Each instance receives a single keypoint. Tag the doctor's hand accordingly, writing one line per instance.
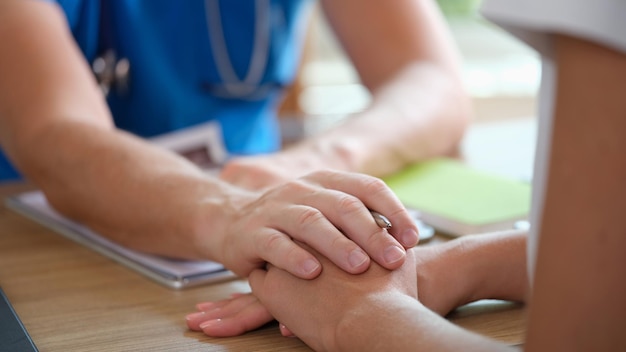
(259, 172)
(263, 171)
(327, 210)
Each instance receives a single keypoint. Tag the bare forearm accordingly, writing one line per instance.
(410, 65)
(131, 191)
(467, 269)
(396, 322)
(420, 113)
(502, 260)
(56, 128)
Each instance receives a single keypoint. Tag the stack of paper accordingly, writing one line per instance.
(169, 272)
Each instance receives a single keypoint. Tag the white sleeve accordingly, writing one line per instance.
(532, 21)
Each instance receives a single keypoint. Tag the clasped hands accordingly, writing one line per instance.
(311, 230)
(327, 210)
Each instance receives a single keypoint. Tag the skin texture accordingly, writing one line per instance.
(577, 298)
(447, 275)
(343, 303)
(580, 295)
(150, 199)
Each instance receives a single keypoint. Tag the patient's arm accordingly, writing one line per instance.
(448, 275)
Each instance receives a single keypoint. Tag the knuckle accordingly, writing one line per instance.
(295, 187)
(272, 242)
(348, 204)
(309, 217)
(340, 243)
(397, 212)
(322, 174)
(373, 185)
(375, 237)
(294, 254)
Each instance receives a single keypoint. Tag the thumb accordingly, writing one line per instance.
(256, 279)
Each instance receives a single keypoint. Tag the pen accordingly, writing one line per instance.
(381, 220)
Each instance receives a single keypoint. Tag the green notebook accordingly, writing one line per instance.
(459, 200)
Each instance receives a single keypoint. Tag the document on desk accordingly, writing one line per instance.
(459, 200)
(172, 273)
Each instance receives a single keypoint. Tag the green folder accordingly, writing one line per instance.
(458, 200)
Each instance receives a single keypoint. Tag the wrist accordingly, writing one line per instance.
(493, 266)
(468, 272)
(326, 152)
(383, 321)
(211, 215)
(444, 278)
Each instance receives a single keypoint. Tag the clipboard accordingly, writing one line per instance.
(13, 334)
(172, 273)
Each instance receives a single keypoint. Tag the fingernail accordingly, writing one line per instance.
(309, 267)
(194, 316)
(210, 323)
(357, 257)
(393, 254)
(285, 332)
(205, 306)
(409, 238)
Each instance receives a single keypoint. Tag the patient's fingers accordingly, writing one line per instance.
(229, 317)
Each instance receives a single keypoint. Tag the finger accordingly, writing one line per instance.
(256, 280)
(230, 317)
(260, 287)
(250, 318)
(218, 309)
(206, 306)
(309, 225)
(357, 223)
(214, 310)
(375, 194)
(285, 331)
(277, 248)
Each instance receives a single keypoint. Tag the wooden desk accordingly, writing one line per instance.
(73, 299)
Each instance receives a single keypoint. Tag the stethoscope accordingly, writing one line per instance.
(113, 74)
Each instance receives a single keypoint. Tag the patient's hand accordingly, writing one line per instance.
(447, 277)
(244, 312)
(229, 317)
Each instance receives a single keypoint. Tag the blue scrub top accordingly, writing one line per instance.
(174, 76)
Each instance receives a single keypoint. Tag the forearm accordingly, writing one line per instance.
(419, 108)
(409, 63)
(56, 128)
(132, 192)
(396, 322)
(498, 261)
(419, 113)
(467, 269)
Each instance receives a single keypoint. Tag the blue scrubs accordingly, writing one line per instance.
(174, 75)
